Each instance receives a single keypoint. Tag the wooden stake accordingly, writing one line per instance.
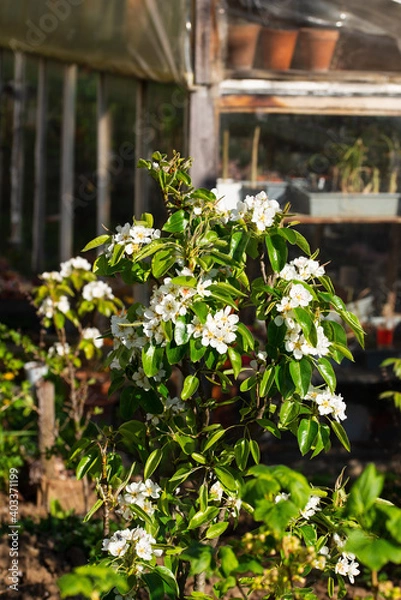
(67, 164)
(255, 153)
(17, 150)
(103, 157)
(39, 206)
(226, 144)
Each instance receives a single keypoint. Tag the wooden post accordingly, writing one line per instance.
(226, 153)
(103, 157)
(203, 126)
(203, 137)
(17, 151)
(39, 201)
(67, 164)
(46, 425)
(140, 204)
(255, 155)
(140, 189)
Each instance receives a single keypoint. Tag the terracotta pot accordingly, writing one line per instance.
(277, 48)
(315, 49)
(242, 40)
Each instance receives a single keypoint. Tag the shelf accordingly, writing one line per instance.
(310, 97)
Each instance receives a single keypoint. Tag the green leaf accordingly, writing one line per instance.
(238, 243)
(227, 479)
(152, 357)
(187, 444)
(199, 557)
(216, 530)
(327, 372)
(202, 517)
(228, 560)
(152, 462)
(289, 412)
(87, 462)
(175, 353)
(181, 335)
(162, 261)
(255, 451)
(213, 439)
(96, 242)
(305, 320)
(341, 434)
(241, 453)
(190, 386)
(301, 374)
(371, 551)
(266, 381)
(277, 251)
(248, 383)
(307, 432)
(236, 361)
(197, 350)
(199, 458)
(168, 577)
(177, 223)
(294, 238)
(248, 341)
(155, 585)
(129, 402)
(98, 504)
(365, 491)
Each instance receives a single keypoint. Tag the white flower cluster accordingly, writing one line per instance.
(232, 503)
(311, 508)
(97, 290)
(302, 269)
(347, 566)
(76, 263)
(59, 348)
(257, 209)
(219, 329)
(66, 269)
(51, 276)
(328, 403)
(133, 237)
(296, 343)
(169, 302)
(93, 334)
(172, 407)
(299, 296)
(138, 539)
(48, 306)
(139, 493)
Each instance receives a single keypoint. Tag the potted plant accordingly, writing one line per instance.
(359, 185)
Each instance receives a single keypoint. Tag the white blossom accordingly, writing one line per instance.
(312, 506)
(93, 334)
(67, 267)
(97, 290)
(281, 497)
(51, 276)
(347, 567)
